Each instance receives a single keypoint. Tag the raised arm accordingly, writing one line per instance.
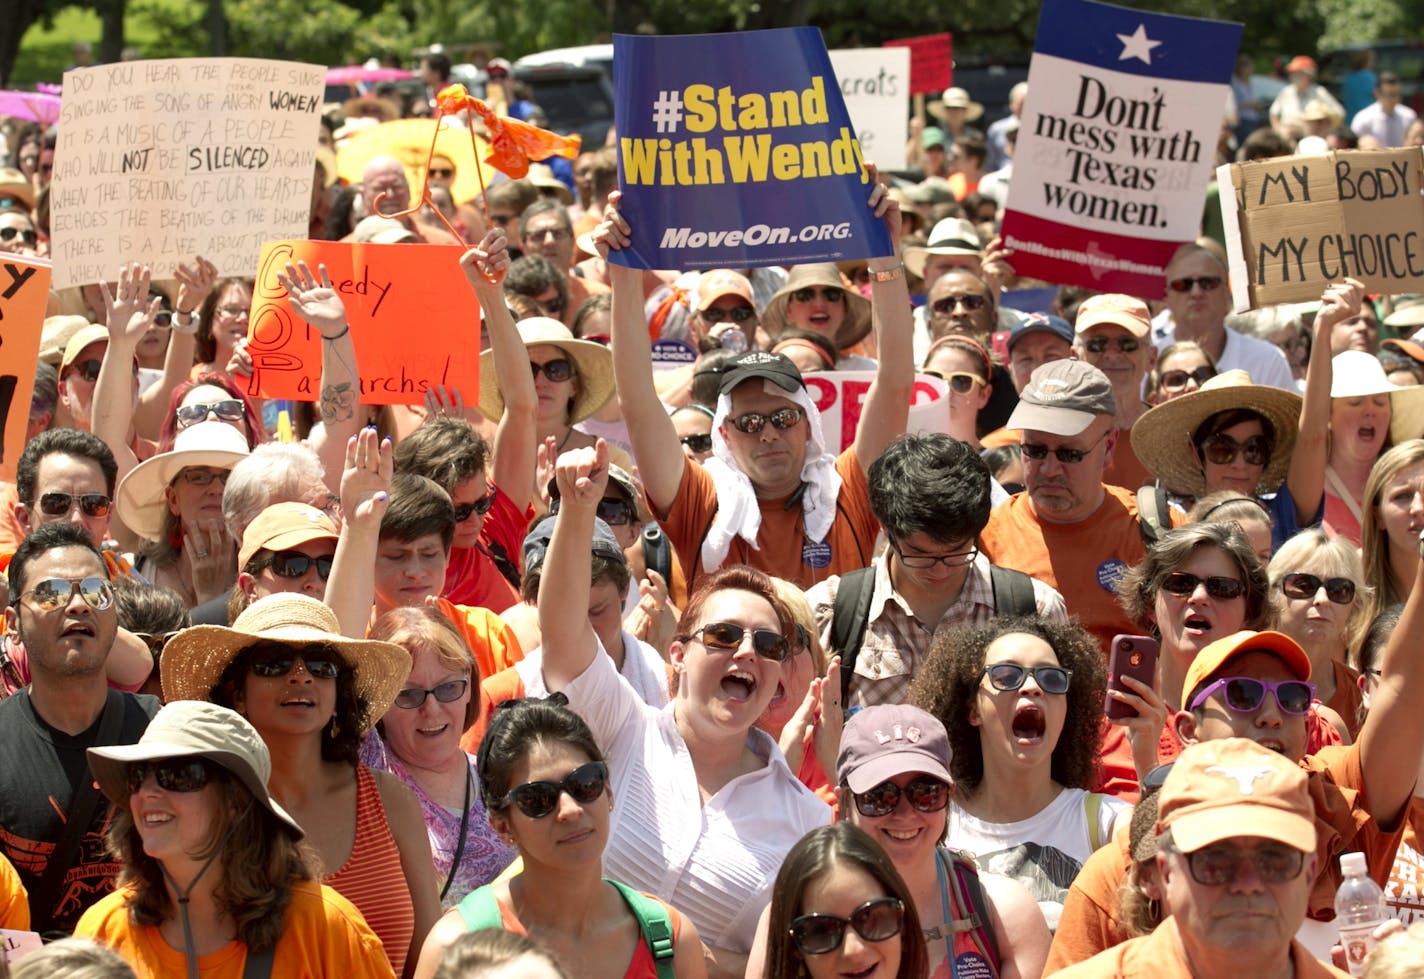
(1306, 476)
(569, 641)
(320, 306)
(365, 492)
(887, 403)
(129, 312)
(195, 281)
(655, 446)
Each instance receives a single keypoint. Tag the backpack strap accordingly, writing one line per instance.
(478, 909)
(1013, 592)
(1153, 516)
(258, 965)
(1093, 807)
(969, 893)
(655, 926)
(496, 553)
(849, 618)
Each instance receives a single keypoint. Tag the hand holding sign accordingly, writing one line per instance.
(613, 232)
(886, 208)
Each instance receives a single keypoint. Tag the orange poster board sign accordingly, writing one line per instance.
(414, 321)
(24, 293)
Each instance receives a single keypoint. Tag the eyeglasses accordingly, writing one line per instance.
(172, 774)
(536, 800)
(442, 173)
(481, 506)
(277, 661)
(204, 477)
(972, 302)
(234, 312)
(1207, 283)
(828, 294)
(558, 234)
(1173, 380)
(446, 693)
(926, 794)
(1298, 584)
(90, 504)
(737, 314)
(781, 419)
(1126, 345)
(295, 564)
(557, 370)
(29, 237)
(1065, 455)
(875, 921)
(697, 443)
(229, 410)
(1218, 865)
(1222, 450)
(960, 382)
(155, 641)
(163, 318)
(1245, 695)
(728, 636)
(503, 219)
(1007, 677)
(958, 559)
(87, 369)
(53, 593)
(1217, 586)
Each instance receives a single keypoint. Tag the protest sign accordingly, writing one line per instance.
(1116, 145)
(24, 293)
(840, 396)
(158, 161)
(15, 945)
(736, 150)
(411, 326)
(1298, 223)
(931, 62)
(874, 83)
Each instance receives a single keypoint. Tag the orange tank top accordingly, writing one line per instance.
(373, 878)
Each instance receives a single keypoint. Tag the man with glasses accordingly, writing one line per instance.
(385, 175)
(1387, 119)
(545, 229)
(1111, 333)
(1198, 299)
(52, 822)
(960, 302)
(931, 496)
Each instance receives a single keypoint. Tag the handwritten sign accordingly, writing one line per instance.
(931, 62)
(875, 83)
(1297, 223)
(414, 322)
(161, 160)
(24, 292)
(1117, 145)
(840, 396)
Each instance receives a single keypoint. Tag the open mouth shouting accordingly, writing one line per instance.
(1030, 723)
(739, 685)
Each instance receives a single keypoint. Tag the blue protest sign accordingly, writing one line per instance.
(736, 150)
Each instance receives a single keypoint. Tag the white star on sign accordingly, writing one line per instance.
(1136, 45)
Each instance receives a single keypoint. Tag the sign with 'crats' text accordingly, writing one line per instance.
(736, 150)
(1117, 143)
(874, 83)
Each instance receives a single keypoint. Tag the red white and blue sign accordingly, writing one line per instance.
(1117, 143)
(736, 150)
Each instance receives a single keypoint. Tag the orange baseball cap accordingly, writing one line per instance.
(722, 282)
(284, 525)
(1127, 312)
(1216, 655)
(1230, 788)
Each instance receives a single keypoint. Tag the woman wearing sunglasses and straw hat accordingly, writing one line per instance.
(313, 694)
(214, 877)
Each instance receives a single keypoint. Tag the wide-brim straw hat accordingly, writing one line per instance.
(194, 729)
(141, 503)
(194, 660)
(593, 361)
(1357, 374)
(854, 328)
(1162, 438)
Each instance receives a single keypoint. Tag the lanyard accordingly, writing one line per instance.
(464, 826)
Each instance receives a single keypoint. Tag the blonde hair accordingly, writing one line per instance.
(1340, 560)
(1374, 542)
(1400, 956)
(795, 601)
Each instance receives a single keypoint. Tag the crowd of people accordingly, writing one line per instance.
(626, 665)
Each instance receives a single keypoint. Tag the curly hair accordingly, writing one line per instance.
(947, 685)
(1137, 590)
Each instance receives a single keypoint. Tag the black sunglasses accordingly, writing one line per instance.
(1222, 450)
(615, 512)
(972, 302)
(1065, 455)
(446, 693)
(875, 921)
(536, 800)
(697, 443)
(1207, 283)
(53, 593)
(926, 794)
(1172, 380)
(728, 636)
(1298, 584)
(1007, 677)
(172, 774)
(29, 237)
(87, 369)
(828, 294)
(555, 370)
(1245, 695)
(1126, 345)
(155, 641)
(737, 314)
(229, 410)
(480, 506)
(781, 419)
(91, 504)
(1217, 586)
(295, 564)
(278, 661)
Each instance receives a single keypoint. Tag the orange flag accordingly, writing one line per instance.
(512, 143)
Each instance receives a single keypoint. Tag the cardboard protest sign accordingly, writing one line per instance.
(840, 395)
(158, 161)
(736, 150)
(24, 293)
(931, 62)
(874, 83)
(1297, 223)
(414, 322)
(1116, 144)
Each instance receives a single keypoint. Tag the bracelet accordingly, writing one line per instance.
(332, 339)
(888, 275)
(184, 322)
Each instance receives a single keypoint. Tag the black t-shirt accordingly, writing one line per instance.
(40, 770)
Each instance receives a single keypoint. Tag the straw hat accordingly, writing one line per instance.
(194, 660)
(951, 236)
(14, 184)
(141, 502)
(956, 98)
(854, 327)
(541, 175)
(1162, 438)
(194, 729)
(593, 361)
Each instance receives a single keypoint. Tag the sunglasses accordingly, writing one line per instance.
(1245, 695)
(875, 921)
(921, 561)
(90, 504)
(204, 477)
(1065, 455)
(551, 307)
(614, 512)
(481, 506)
(728, 636)
(828, 294)
(172, 774)
(555, 370)
(960, 382)
(163, 318)
(1126, 345)
(536, 800)
(53, 593)
(1298, 584)
(87, 369)
(278, 662)
(697, 443)
(737, 314)
(155, 641)
(1173, 380)
(754, 421)
(228, 410)
(926, 794)
(1207, 283)
(1216, 866)
(971, 302)
(1222, 450)
(442, 173)
(295, 564)
(1007, 677)
(9, 234)
(1217, 586)
(446, 693)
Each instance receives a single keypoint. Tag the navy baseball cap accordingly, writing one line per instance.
(1041, 323)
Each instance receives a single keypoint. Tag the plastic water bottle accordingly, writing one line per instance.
(1359, 909)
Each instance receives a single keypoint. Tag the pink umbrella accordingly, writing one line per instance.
(353, 74)
(30, 106)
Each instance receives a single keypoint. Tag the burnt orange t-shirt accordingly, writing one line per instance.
(1404, 891)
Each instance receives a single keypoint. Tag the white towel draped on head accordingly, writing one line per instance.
(737, 512)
